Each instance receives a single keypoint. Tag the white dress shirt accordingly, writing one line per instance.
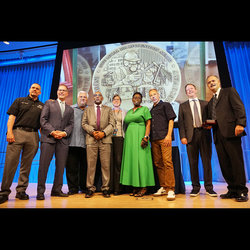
(191, 103)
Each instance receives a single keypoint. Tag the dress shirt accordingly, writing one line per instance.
(62, 105)
(217, 93)
(77, 137)
(191, 103)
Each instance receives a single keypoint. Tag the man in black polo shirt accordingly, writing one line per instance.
(161, 136)
(22, 136)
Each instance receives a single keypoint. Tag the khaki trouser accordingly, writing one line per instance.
(162, 157)
(92, 154)
(27, 142)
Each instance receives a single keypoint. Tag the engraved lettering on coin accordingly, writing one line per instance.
(137, 67)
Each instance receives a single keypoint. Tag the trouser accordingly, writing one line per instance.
(162, 157)
(76, 169)
(116, 161)
(104, 150)
(231, 161)
(47, 152)
(27, 144)
(200, 144)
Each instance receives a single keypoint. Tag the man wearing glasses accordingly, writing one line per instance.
(57, 121)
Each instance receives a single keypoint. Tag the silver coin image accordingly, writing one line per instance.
(137, 67)
(83, 74)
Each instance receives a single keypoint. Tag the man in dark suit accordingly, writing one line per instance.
(227, 109)
(57, 121)
(197, 139)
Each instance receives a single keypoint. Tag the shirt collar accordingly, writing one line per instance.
(29, 98)
(192, 99)
(217, 92)
(63, 102)
(157, 103)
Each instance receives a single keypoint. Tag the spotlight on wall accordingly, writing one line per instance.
(6, 42)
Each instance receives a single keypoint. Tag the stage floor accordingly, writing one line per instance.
(124, 200)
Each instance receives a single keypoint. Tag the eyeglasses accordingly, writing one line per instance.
(63, 90)
(97, 95)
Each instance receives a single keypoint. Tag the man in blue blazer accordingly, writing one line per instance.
(57, 121)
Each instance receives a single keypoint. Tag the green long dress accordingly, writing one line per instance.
(137, 166)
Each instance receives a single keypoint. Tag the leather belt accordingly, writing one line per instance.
(26, 129)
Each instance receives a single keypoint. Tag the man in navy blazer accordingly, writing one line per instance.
(57, 121)
(227, 109)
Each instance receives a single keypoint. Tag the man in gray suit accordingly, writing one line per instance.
(98, 121)
(196, 138)
(57, 121)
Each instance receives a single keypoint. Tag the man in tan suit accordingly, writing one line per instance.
(98, 121)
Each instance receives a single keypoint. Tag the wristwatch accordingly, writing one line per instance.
(146, 137)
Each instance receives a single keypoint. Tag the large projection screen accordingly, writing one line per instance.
(124, 68)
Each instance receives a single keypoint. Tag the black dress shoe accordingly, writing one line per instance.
(40, 197)
(59, 194)
(89, 194)
(228, 195)
(242, 198)
(72, 192)
(3, 198)
(106, 193)
(22, 196)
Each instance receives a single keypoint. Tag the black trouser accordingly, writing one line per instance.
(200, 143)
(76, 169)
(231, 161)
(115, 166)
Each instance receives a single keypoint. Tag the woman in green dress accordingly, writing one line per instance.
(137, 166)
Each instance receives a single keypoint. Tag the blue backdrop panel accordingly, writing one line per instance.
(238, 59)
(15, 82)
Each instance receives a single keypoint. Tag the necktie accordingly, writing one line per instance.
(213, 107)
(98, 117)
(62, 106)
(197, 120)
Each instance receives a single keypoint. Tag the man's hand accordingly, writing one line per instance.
(98, 135)
(10, 137)
(168, 141)
(238, 130)
(58, 134)
(184, 141)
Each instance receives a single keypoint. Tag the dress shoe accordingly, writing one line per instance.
(40, 197)
(72, 192)
(59, 194)
(228, 195)
(22, 196)
(89, 194)
(106, 193)
(242, 198)
(3, 198)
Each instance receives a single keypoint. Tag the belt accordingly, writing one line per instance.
(26, 129)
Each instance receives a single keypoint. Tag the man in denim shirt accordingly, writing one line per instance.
(76, 166)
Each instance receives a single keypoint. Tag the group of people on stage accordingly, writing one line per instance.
(131, 141)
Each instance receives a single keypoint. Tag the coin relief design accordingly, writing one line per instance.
(137, 67)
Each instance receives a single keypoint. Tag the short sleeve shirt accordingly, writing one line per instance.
(162, 113)
(27, 112)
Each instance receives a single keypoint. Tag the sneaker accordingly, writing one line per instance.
(161, 191)
(194, 193)
(211, 193)
(171, 195)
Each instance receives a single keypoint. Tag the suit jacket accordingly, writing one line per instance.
(107, 124)
(230, 112)
(185, 120)
(51, 119)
